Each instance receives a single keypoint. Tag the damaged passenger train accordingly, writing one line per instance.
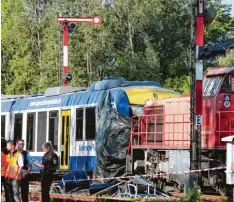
(69, 117)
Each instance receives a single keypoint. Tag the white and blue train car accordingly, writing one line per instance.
(69, 120)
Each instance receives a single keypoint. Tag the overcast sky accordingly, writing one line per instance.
(230, 2)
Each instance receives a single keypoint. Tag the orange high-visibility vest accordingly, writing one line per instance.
(12, 168)
(4, 164)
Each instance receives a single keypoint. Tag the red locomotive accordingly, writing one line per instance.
(160, 140)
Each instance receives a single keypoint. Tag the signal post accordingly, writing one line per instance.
(200, 16)
(69, 24)
(197, 41)
(200, 24)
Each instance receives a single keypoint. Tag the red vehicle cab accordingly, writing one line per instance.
(218, 107)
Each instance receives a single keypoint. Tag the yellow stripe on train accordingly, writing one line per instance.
(139, 94)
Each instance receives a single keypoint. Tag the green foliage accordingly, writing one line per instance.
(228, 60)
(194, 195)
(139, 40)
(222, 25)
(180, 84)
(223, 199)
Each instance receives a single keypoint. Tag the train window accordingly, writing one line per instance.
(79, 124)
(228, 85)
(41, 131)
(18, 126)
(3, 121)
(211, 86)
(90, 124)
(53, 129)
(31, 123)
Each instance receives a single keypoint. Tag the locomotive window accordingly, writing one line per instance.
(3, 121)
(205, 85)
(79, 124)
(212, 85)
(31, 123)
(228, 85)
(53, 129)
(41, 131)
(18, 126)
(90, 124)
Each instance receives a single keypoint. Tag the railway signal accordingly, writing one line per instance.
(200, 17)
(69, 25)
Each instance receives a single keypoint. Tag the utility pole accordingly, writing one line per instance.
(69, 24)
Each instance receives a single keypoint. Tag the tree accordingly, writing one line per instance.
(228, 60)
(16, 63)
(219, 30)
(138, 40)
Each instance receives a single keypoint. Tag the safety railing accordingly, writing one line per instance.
(161, 130)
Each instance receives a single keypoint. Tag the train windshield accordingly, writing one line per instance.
(228, 85)
(212, 85)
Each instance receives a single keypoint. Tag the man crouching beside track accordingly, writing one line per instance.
(13, 172)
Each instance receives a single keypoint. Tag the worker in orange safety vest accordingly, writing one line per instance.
(13, 172)
(4, 164)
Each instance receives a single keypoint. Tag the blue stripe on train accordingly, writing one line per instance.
(76, 163)
(82, 162)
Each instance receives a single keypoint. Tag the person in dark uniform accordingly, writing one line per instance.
(48, 168)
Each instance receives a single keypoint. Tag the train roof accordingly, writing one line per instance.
(8, 97)
(218, 71)
(70, 99)
(120, 82)
(73, 96)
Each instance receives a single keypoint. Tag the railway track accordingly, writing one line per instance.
(37, 197)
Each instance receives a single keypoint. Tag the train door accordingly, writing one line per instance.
(65, 139)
